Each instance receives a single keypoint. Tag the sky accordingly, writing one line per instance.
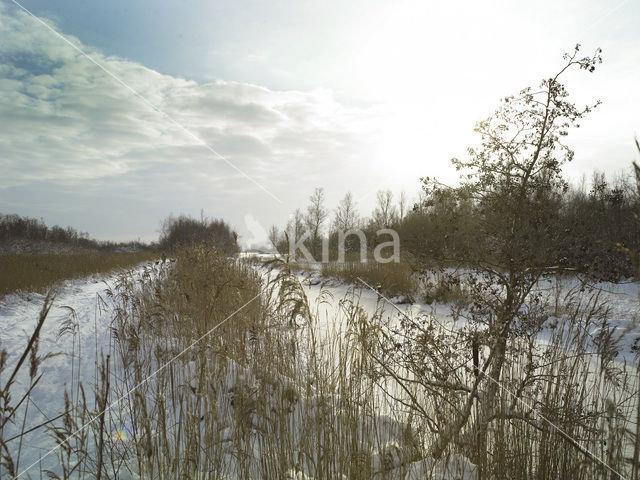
(114, 115)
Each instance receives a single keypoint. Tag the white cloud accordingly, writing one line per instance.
(68, 125)
(77, 147)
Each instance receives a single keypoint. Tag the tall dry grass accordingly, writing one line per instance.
(281, 390)
(41, 271)
(392, 279)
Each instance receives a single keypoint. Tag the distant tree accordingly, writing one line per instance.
(385, 212)
(636, 168)
(296, 225)
(346, 219)
(276, 239)
(346, 214)
(402, 206)
(16, 227)
(441, 230)
(315, 218)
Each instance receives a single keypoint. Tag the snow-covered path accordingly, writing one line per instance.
(84, 303)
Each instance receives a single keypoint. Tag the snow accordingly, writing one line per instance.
(83, 302)
(622, 299)
(86, 305)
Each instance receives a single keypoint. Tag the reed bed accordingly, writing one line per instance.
(217, 371)
(39, 272)
(392, 279)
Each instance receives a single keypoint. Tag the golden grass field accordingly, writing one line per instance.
(39, 272)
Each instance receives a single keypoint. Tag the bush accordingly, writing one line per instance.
(184, 231)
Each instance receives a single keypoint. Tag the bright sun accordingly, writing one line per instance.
(422, 61)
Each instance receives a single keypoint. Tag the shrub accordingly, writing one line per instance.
(184, 231)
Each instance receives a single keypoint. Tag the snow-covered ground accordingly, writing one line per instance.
(622, 299)
(76, 332)
(82, 305)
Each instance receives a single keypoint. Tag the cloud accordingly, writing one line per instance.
(68, 126)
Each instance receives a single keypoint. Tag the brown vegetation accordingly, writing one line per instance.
(39, 272)
(391, 279)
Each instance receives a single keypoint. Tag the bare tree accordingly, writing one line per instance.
(513, 185)
(315, 218)
(385, 212)
(402, 206)
(515, 180)
(346, 214)
(275, 237)
(636, 168)
(296, 225)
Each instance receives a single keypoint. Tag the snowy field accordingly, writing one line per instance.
(77, 330)
(623, 300)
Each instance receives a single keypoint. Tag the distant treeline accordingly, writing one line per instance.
(15, 227)
(590, 230)
(175, 232)
(185, 231)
